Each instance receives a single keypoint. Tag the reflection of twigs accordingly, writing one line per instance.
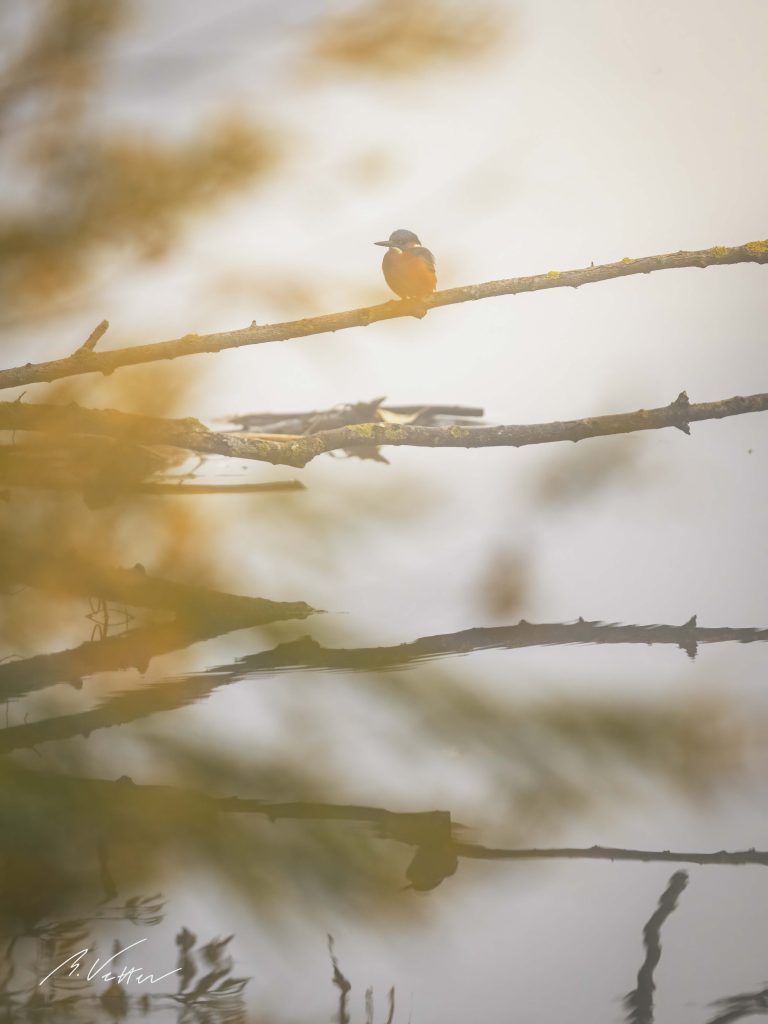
(420, 829)
(217, 997)
(193, 344)
(746, 1004)
(137, 648)
(102, 619)
(306, 653)
(612, 853)
(341, 983)
(133, 650)
(298, 451)
(639, 1002)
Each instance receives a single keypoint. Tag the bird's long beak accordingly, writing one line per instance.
(391, 244)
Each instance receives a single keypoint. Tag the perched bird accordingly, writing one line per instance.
(409, 268)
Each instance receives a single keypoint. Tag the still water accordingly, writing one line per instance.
(471, 805)
(455, 736)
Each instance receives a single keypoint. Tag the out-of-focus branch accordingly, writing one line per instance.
(432, 833)
(22, 478)
(298, 451)
(196, 344)
(104, 470)
(72, 574)
(347, 414)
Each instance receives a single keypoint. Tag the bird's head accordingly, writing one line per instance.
(401, 239)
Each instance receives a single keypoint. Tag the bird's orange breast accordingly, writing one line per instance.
(408, 274)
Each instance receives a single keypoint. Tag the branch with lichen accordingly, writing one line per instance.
(298, 451)
(196, 344)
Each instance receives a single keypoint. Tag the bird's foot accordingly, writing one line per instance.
(417, 307)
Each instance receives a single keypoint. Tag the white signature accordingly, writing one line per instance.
(126, 974)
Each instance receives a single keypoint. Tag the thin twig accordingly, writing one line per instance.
(195, 344)
(733, 858)
(193, 435)
(93, 338)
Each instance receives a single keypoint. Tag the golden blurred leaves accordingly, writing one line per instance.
(86, 185)
(404, 36)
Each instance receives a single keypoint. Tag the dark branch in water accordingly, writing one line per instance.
(614, 853)
(195, 344)
(298, 451)
(137, 648)
(432, 833)
(639, 1002)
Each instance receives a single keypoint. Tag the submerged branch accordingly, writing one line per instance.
(195, 344)
(613, 853)
(135, 649)
(432, 833)
(69, 573)
(298, 451)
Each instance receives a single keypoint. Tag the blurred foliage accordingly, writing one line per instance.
(383, 37)
(505, 583)
(569, 478)
(86, 190)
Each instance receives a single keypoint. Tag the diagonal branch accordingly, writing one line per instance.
(195, 344)
(298, 451)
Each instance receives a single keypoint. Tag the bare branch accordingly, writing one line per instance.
(193, 435)
(195, 344)
(94, 338)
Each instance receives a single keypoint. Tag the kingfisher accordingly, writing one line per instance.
(409, 268)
